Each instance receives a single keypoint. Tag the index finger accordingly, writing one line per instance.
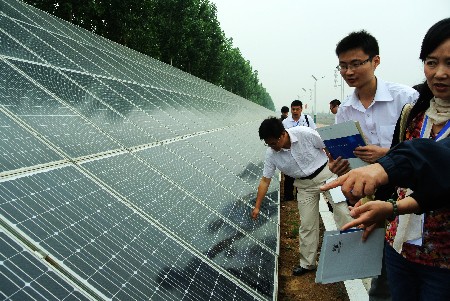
(335, 183)
(361, 148)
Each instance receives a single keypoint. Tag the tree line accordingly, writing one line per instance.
(183, 33)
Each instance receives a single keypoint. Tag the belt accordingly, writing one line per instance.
(314, 174)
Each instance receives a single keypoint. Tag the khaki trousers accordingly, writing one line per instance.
(308, 196)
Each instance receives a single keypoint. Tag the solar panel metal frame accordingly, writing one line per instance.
(224, 133)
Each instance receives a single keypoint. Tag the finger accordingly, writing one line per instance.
(369, 188)
(330, 158)
(342, 170)
(352, 199)
(362, 156)
(360, 148)
(358, 204)
(359, 153)
(347, 185)
(358, 189)
(349, 225)
(333, 184)
(367, 231)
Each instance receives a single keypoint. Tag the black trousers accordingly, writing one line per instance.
(288, 188)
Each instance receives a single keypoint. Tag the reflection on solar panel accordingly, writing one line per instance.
(122, 178)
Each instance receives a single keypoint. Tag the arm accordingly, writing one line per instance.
(359, 182)
(372, 213)
(424, 166)
(420, 164)
(262, 190)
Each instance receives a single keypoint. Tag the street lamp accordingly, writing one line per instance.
(341, 85)
(315, 96)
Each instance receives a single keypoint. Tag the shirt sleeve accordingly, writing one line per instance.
(339, 118)
(269, 166)
(311, 123)
(315, 138)
(424, 166)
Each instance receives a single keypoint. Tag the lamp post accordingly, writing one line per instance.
(315, 96)
(341, 85)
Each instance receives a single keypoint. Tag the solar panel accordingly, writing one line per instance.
(123, 178)
(23, 276)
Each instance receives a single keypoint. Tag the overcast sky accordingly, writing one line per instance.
(287, 41)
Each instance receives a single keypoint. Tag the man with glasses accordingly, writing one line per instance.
(375, 104)
(299, 153)
(334, 106)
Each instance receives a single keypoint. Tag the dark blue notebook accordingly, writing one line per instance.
(341, 140)
(344, 146)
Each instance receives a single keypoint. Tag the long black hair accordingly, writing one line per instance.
(435, 36)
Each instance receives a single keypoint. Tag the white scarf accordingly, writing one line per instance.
(439, 111)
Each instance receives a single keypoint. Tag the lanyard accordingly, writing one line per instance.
(441, 132)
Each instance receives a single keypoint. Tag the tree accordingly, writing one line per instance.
(183, 33)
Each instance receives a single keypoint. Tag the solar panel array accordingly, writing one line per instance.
(123, 178)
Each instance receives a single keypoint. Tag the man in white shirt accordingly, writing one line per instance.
(297, 118)
(334, 106)
(299, 153)
(376, 105)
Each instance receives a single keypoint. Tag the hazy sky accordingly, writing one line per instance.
(287, 41)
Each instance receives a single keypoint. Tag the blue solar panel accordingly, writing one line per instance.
(135, 179)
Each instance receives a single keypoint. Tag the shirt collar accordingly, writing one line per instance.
(381, 94)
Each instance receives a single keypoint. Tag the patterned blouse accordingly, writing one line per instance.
(435, 249)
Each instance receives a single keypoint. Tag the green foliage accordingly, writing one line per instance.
(183, 33)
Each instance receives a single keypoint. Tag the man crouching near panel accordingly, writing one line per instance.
(299, 153)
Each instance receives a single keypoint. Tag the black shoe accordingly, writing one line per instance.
(298, 271)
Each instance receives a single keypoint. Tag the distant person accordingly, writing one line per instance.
(334, 106)
(297, 118)
(376, 105)
(284, 113)
(299, 153)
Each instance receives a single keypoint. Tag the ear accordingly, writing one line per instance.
(376, 61)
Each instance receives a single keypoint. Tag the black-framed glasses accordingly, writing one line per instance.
(272, 144)
(353, 65)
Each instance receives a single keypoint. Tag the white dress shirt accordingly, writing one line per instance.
(304, 157)
(378, 120)
(289, 122)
